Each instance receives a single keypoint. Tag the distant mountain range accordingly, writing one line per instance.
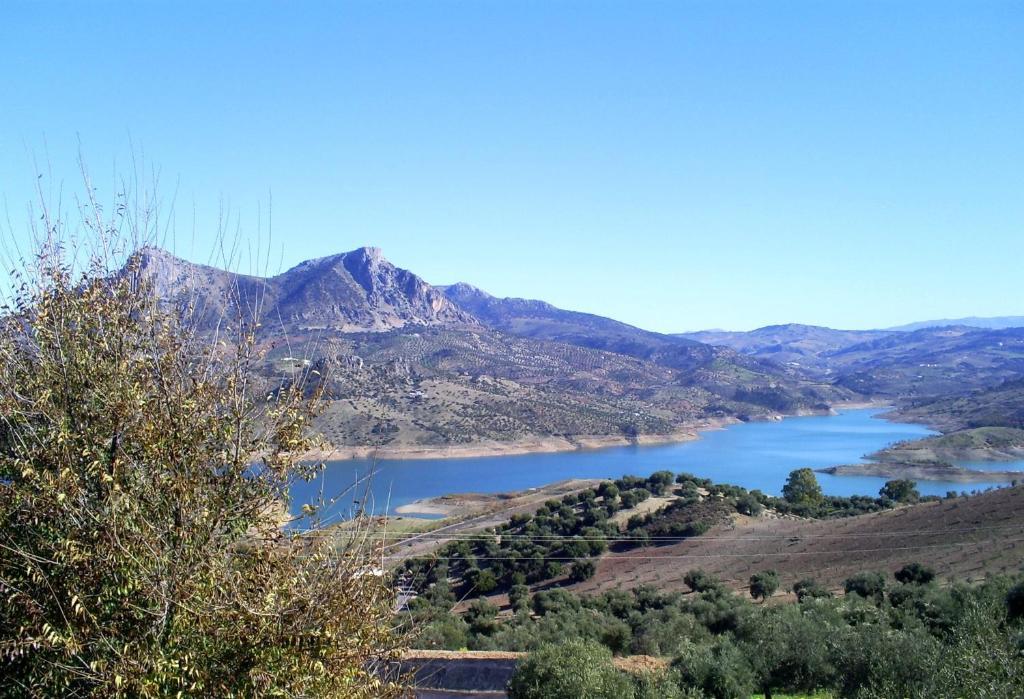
(929, 361)
(412, 365)
(993, 323)
(793, 343)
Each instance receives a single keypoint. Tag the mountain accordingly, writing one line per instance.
(993, 323)
(930, 362)
(792, 343)
(407, 364)
(350, 292)
(541, 321)
(410, 365)
(999, 406)
(889, 364)
(720, 370)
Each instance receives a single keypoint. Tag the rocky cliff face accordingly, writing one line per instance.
(357, 291)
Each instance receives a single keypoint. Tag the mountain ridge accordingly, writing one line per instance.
(986, 322)
(352, 291)
(409, 363)
(406, 363)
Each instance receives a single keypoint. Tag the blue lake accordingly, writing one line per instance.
(752, 455)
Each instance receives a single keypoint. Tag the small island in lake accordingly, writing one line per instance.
(933, 458)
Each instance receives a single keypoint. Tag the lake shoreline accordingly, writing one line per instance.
(538, 445)
(461, 505)
(755, 454)
(553, 444)
(923, 472)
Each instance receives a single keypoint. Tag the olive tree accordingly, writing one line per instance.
(572, 670)
(915, 574)
(764, 584)
(869, 584)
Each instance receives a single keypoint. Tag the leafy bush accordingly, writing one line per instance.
(808, 589)
(717, 670)
(571, 670)
(1015, 601)
(869, 585)
(764, 584)
(700, 581)
(582, 570)
(519, 598)
(915, 574)
(748, 504)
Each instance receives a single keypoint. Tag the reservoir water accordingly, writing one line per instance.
(752, 455)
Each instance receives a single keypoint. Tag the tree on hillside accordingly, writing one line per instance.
(748, 504)
(481, 617)
(700, 581)
(716, 669)
(519, 598)
(809, 589)
(582, 570)
(571, 670)
(788, 648)
(868, 584)
(657, 685)
(608, 490)
(914, 574)
(802, 488)
(900, 490)
(764, 584)
(1015, 602)
(144, 475)
(660, 482)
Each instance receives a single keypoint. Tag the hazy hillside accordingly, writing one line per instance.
(1001, 406)
(931, 362)
(994, 323)
(832, 549)
(888, 364)
(792, 343)
(541, 320)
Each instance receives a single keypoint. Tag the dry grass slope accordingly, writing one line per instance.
(963, 538)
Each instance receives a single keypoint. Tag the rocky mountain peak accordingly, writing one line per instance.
(355, 291)
(461, 292)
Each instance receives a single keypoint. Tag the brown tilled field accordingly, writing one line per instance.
(963, 538)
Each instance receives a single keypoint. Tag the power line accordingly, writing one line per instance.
(488, 537)
(720, 555)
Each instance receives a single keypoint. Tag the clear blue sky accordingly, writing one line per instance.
(676, 165)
